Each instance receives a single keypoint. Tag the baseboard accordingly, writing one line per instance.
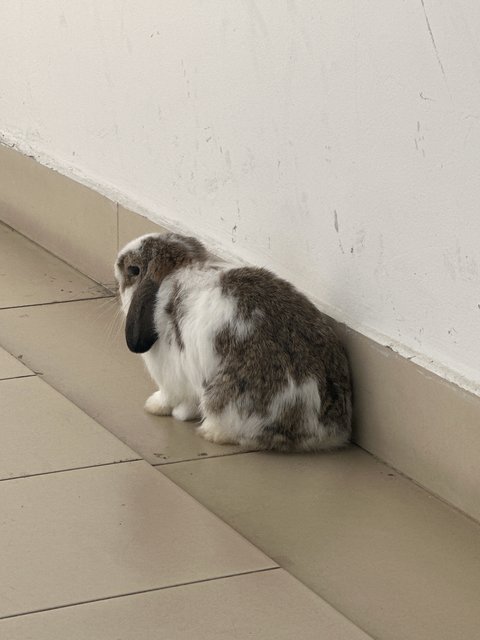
(424, 426)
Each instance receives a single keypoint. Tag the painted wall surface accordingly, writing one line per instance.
(335, 141)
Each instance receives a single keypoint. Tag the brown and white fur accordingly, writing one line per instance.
(236, 347)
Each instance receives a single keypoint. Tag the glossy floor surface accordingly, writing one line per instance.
(117, 524)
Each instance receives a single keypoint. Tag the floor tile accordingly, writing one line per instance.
(10, 367)
(93, 533)
(42, 432)
(131, 225)
(270, 605)
(395, 560)
(30, 275)
(71, 220)
(80, 349)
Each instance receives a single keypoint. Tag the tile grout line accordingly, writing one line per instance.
(91, 415)
(44, 304)
(142, 591)
(89, 466)
(27, 375)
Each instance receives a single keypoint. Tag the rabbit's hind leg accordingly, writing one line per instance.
(212, 430)
(186, 410)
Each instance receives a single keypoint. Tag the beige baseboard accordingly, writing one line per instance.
(424, 426)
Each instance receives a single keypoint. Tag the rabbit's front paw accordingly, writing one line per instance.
(158, 404)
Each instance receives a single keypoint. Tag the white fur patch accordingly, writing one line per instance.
(205, 310)
(247, 429)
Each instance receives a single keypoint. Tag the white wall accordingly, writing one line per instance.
(335, 141)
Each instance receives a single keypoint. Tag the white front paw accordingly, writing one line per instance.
(158, 404)
(186, 411)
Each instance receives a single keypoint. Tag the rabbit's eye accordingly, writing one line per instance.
(133, 270)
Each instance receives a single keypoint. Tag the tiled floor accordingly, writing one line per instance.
(96, 543)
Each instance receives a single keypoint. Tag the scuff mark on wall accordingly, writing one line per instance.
(460, 264)
(423, 97)
(419, 140)
(452, 332)
(433, 42)
(335, 224)
(359, 244)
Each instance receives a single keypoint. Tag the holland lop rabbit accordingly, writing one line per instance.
(236, 347)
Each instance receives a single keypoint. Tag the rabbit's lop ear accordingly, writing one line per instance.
(140, 331)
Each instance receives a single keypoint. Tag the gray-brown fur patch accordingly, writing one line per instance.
(291, 338)
(174, 308)
(285, 432)
(159, 255)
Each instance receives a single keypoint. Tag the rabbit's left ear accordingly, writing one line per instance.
(140, 331)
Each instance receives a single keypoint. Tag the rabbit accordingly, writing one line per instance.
(236, 347)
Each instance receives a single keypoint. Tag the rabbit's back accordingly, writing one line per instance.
(282, 366)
